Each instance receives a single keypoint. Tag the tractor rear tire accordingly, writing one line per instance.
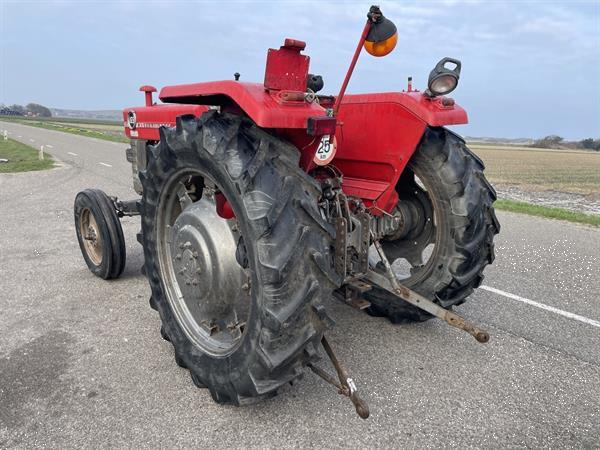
(285, 252)
(462, 201)
(99, 233)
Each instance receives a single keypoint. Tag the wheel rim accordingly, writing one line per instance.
(207, 289)
(413, 256)
(92, 239)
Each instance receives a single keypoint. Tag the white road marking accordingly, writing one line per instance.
(49, 146)
(31, 140)
(560, 312)
(72, 154)
(19, 136)
(104, 164)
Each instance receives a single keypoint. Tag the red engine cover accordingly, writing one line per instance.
(143, 122)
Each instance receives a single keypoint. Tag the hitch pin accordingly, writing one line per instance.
(345, 384)
(393, 286)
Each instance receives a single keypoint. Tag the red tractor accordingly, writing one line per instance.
(259, 201)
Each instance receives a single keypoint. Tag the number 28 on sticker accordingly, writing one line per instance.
(325, 151)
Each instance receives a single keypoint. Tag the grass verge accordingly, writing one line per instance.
(544, 211)
(21, 157)
(87, 129)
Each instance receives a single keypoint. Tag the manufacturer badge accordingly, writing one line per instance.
(131, 120)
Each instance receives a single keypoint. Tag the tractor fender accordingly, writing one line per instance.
(379, 134)
(267, 108)
(435, 112)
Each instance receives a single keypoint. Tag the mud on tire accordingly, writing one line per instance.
(287, 244)
(467, 224)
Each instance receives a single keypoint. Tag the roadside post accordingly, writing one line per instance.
(6, 135)
(41, 153)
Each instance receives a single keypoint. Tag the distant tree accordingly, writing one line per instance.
(589, 144)
(39, 110)
(18, 108)
(551, 141)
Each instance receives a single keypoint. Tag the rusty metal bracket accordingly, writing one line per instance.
(351, 294)
(125, 207)
(345, 385)
(341, 232)
(390, 283)
(365, 237)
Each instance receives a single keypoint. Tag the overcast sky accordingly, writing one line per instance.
(530, 68)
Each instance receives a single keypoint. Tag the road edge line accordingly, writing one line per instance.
(558, 311)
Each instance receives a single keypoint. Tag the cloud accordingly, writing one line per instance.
(514, 53)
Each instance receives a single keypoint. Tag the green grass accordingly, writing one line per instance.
(21, 157)
(109, 131)
(65, 120)
(544, 211)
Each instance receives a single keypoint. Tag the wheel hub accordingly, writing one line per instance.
(91, 236)
(204, 248)
(205, 279)
(409, 247)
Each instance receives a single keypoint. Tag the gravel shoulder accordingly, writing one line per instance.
(589, 204)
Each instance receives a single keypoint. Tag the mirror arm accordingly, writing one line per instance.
(361, 42)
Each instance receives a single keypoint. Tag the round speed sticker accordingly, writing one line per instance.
(326, 150)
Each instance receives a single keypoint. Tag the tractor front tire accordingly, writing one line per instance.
(465, 226)
(99, 233)
(284, 249)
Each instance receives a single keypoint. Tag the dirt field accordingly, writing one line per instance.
(561, 178)
(570, 171)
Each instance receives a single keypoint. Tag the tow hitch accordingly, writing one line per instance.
(390, 283)
(345, 385)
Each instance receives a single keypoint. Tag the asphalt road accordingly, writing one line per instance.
(82, 363)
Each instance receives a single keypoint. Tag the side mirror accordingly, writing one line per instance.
(379, 37)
